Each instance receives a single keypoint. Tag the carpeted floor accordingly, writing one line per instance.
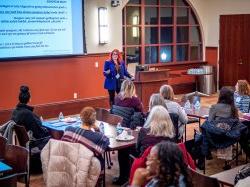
(212, 166)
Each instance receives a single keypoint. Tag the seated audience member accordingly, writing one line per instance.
(87, 135)
(225, 107)
(157, 128)
(165, 167)
(222, 129)
(242, 96)
(23, 115)
(127, 97)
(173, 107)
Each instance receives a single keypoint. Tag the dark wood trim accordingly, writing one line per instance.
(158, 25)
(211, 47)
(183, 88)
(52, 110)
(178, 64)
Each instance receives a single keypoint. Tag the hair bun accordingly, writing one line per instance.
(24, 89)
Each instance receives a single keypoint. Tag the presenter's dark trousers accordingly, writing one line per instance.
(112, 96)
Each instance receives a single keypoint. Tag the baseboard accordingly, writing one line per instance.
(52, 110)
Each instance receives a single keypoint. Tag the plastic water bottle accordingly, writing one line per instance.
(41, 118)
(187, 105)
(119, 128)
(60, 117)
(101, 127)
(197, 105)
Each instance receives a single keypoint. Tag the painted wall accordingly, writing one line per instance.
(209, 13)
(52, 80)
(91, 26)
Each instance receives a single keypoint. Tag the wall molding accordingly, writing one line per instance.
(52, 110)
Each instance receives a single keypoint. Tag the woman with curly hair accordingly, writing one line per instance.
(165, 167)
(242, 96)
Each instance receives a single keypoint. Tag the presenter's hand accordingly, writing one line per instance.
(108, 71)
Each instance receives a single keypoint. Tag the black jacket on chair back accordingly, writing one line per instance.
(23, 115)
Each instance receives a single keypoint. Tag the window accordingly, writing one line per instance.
(160, 31)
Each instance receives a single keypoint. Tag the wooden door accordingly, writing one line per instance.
(234, 49)
(244, 66)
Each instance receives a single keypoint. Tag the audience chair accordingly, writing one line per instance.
(199, 180)
(3, 142)
(124, 112)
(8, 181)
(105, 116)
(24, 141)
(17, 157)
(175, 120)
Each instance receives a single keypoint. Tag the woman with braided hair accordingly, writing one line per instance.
(165, 168)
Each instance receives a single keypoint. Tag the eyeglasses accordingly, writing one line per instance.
(114, 54)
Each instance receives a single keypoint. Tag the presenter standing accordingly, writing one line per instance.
(114, 71)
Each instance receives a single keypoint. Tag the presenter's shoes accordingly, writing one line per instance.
(119, 181)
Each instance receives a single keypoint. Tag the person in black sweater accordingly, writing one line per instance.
(23, 115)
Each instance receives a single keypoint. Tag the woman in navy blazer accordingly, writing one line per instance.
(114, 71)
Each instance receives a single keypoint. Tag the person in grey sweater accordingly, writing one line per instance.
(173, 107)
(225, 107)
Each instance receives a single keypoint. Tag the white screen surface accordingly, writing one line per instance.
(30, 28)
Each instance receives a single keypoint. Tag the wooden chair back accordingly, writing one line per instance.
(22, 135)
(17, 157)
(104, 115)
(3, 142)
(9, 181)
(199, 180)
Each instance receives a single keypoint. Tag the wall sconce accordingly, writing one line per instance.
(135, 30)
(103, 25)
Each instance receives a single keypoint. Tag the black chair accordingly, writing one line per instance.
(199, 180)
(34, 155)
(8, 181)
(17, 157)
(125, 112)
(175, 120)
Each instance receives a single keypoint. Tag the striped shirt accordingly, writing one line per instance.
(95, 141)
(242, 102)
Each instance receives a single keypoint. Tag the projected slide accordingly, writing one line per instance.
(40, 28)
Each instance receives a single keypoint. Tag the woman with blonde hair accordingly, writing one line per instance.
(157, 128)
(127, 97)
(173, 107)
(242, 96)
(156, 99)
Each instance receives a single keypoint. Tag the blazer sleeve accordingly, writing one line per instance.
(126, 73)
(106, 67)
